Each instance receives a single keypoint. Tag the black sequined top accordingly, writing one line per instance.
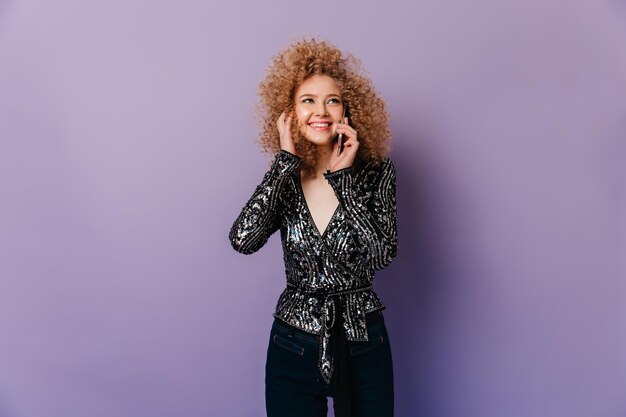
(336, 266)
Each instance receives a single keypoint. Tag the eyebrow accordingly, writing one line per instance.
(313, 95)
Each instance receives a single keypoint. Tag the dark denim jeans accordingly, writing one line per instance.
(294, 387)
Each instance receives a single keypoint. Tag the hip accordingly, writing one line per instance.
(306, 344)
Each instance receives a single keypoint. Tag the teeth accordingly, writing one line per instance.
(320, 124)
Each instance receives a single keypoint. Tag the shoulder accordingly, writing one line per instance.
(387, 165)
(374, 172)
(380, 166)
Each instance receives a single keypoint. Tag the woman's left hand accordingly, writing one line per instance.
(350, 146)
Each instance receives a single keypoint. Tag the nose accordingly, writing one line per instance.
(321, 109)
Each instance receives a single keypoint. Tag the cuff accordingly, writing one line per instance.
(341, 181)
(286, 162)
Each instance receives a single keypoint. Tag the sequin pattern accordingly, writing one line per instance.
(336, 266)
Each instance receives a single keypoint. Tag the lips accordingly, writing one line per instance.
(320, 126)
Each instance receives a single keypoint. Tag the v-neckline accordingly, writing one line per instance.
(310, 216)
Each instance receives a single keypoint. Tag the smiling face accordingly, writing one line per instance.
(319, 108)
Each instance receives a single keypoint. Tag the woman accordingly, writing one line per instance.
(331, 190)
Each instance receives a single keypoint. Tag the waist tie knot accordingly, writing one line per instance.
(334, 355)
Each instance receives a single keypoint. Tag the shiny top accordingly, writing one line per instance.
(332, 269)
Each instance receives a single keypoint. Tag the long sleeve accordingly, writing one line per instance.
(259, 218)
(371, 210)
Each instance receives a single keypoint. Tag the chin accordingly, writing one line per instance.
(323, 143)
(319, 141)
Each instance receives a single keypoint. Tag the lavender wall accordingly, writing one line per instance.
(126, 151)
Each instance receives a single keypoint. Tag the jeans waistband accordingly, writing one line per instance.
(370, 318)
(373, 316)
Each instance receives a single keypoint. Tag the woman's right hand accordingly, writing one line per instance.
(284, 130)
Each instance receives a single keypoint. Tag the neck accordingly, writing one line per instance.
(323, 161)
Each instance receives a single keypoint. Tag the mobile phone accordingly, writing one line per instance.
(340, 138)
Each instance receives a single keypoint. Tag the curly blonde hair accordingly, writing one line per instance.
(298, 62)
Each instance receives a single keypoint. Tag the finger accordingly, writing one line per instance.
(351, 142)
(348, 131)
(348, 140)
(347, 126)
(344, 125)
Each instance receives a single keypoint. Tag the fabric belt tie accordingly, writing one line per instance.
(333, 344)
(342, 376)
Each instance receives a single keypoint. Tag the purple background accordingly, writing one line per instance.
(127, 150)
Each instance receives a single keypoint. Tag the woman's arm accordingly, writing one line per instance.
(373, 216)
(259, 217)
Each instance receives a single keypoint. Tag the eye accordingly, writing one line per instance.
(306, 100)
(335, 100)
